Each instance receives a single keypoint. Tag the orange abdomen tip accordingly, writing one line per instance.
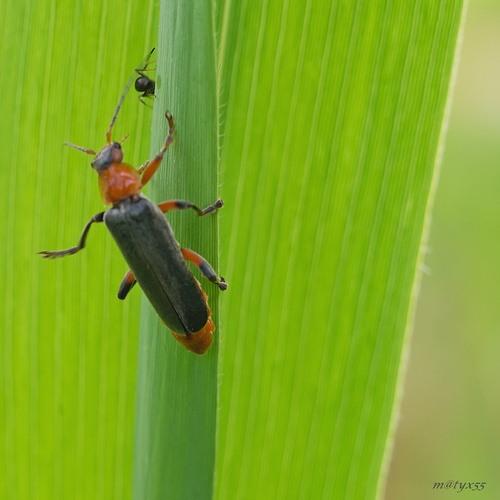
(197, 342)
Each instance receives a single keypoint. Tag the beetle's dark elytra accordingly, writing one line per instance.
(148, 245)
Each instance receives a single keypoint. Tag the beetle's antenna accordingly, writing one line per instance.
(80, 148)
(122, 97)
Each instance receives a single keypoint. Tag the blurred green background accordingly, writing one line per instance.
(448, 412)
(448, 427)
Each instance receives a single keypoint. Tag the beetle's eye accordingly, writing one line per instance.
(107, 156)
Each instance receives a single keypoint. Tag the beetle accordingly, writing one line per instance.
(147, 243)
(145, 84)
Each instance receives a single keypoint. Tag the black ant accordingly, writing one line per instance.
(144, 84)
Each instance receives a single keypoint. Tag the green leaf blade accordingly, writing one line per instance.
(177, 390)
(331, 188)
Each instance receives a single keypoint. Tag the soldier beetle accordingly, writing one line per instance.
(147, 243)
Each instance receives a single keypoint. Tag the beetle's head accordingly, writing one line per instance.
(112, 153)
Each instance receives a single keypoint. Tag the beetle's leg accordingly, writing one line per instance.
(152, 166)
(166, 206)
(205, 267)
(126, 285)
(70, 251)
